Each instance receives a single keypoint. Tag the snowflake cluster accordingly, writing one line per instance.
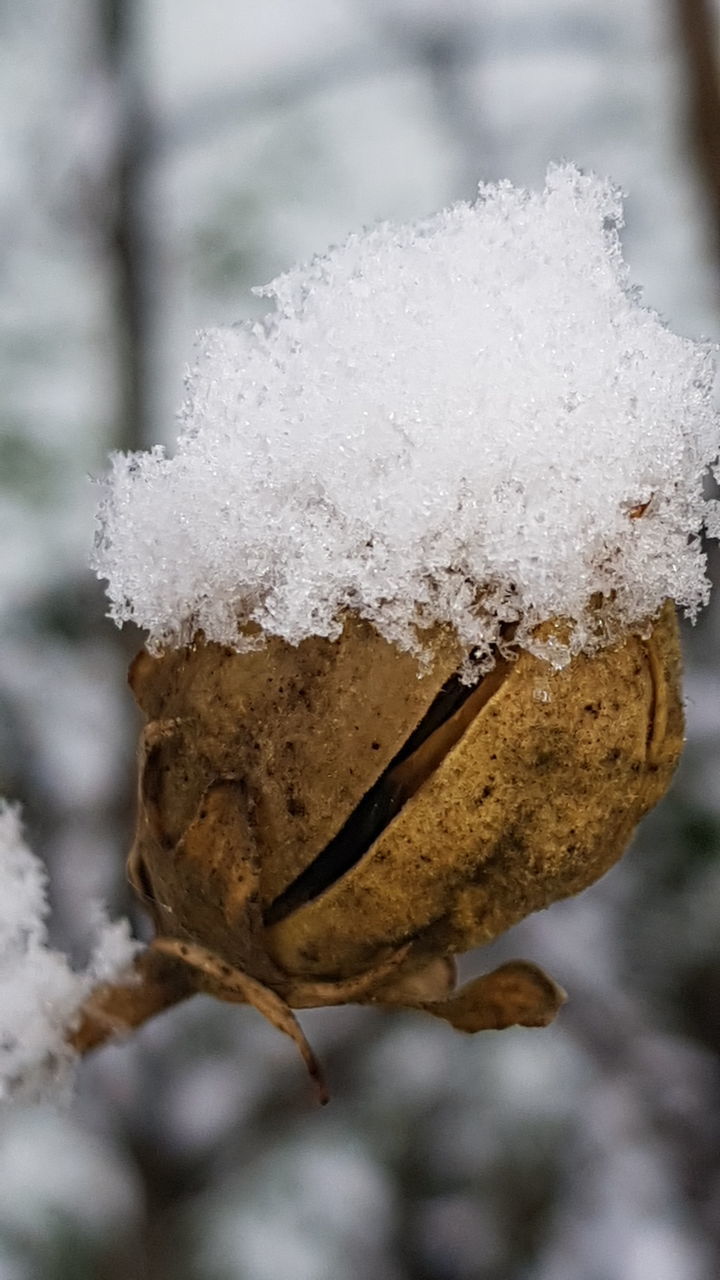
(470, 420)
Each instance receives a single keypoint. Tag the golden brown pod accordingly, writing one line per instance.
(327, 823)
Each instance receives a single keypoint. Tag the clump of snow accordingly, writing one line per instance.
(40, 993)
(470, 420)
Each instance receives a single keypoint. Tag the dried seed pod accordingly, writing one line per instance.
(323, 824)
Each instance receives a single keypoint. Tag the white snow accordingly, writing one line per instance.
(469, 420)
(39, 992)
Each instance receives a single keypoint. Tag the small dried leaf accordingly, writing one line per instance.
(516, 994)
(219, 979)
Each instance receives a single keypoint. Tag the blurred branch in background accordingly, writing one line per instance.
(445, 51)
(205, 118)
(128, 229)
(699, 41)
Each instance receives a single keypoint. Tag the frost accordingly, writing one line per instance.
(39, 992)
(471, 420)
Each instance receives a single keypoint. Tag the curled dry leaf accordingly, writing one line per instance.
(322, 824)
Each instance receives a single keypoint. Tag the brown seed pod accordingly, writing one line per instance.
(325, 824)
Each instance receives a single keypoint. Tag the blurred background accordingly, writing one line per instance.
(158, 158)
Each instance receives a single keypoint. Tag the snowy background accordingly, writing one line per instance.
(159, 157)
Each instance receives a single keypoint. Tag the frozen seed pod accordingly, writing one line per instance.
(322, 824)
(469, 433)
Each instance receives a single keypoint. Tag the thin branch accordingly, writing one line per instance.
(127, 232)
(203, 120)
(156, 983)
(698, 36)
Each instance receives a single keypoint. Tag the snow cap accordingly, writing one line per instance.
(469, 420)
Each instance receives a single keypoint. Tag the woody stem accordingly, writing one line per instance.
(155, 982)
